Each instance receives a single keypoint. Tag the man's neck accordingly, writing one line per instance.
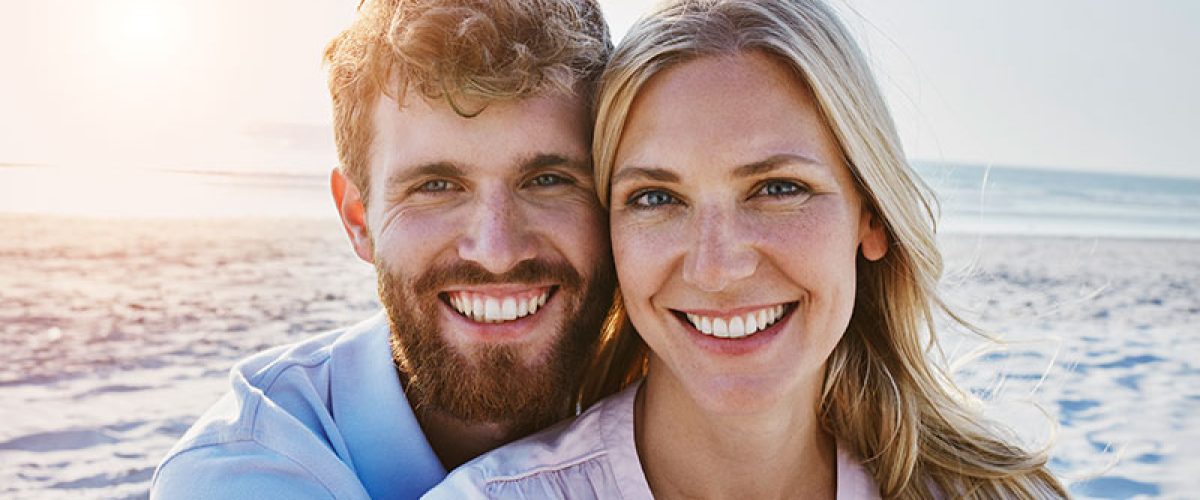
(456, 442)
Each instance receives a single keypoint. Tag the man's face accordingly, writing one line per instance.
(492, 253)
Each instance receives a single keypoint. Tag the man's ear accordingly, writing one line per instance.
(354, 215)
(874, 240)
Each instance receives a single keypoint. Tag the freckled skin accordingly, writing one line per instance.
(723, 242)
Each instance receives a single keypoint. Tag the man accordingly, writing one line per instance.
(463, 132)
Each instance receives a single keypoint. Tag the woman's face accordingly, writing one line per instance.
(735, 227)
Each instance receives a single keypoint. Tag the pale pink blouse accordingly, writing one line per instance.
(591, 456)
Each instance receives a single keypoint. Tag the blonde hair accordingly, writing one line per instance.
(485, 50)
(882, 397)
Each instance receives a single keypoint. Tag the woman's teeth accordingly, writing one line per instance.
(739, 326)
(489, 309)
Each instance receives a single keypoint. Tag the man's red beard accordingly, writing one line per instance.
(494, 383)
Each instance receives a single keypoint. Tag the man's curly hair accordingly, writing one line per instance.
(481, 50)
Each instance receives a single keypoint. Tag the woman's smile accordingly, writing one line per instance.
(735, 325)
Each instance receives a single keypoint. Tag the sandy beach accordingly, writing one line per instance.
(116, 334)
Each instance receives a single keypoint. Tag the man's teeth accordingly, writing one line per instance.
(737, 326)
(488, 309)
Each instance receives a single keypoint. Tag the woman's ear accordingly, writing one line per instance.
(874, 239)
(354, 215)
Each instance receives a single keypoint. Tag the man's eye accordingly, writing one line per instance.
(546, 180)
(651, 198)
(436, 186)
(778, 189)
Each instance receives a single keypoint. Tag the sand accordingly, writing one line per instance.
(1102, 335)
(116, 335)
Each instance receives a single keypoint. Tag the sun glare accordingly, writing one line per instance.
(145, 24)
(141, 30)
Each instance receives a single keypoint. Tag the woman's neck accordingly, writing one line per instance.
(687, 452)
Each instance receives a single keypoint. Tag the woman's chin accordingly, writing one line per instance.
(733, 396)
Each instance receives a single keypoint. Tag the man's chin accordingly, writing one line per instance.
(497, 384)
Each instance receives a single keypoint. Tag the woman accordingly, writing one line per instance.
(776, 255)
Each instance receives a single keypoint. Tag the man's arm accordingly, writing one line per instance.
(240, 470)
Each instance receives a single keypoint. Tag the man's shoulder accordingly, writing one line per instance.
(277, 422)
(286, 379)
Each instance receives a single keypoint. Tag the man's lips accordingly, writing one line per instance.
(737, 324)
(497, 304)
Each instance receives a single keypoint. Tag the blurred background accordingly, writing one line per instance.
(164, 211)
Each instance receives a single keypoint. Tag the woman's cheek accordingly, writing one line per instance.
(641, 253)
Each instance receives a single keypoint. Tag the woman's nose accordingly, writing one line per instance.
(721, 253)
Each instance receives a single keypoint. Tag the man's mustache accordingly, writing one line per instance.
(529, 272)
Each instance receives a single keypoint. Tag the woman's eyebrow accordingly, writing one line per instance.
(773, 163)
(769, 164)
(649, 173)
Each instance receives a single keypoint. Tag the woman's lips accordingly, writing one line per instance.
(737, 325)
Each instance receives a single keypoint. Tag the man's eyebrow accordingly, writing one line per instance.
(434, 169)
(544, 160)
(773, 163)
(450, 169)
(650, 173)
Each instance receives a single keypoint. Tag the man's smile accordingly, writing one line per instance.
(498, 306)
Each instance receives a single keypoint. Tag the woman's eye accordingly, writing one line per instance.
(546, 180)
(651, 198)
(779, 189)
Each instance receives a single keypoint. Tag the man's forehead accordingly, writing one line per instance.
(506, 138)
(466, 111)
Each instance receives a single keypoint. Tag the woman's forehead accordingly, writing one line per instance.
(730, 110)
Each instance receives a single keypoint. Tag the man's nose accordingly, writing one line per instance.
(497, 235)
(720, 253)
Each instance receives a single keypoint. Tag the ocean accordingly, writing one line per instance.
(1025, 201)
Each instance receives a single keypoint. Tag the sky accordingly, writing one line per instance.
(237, 85)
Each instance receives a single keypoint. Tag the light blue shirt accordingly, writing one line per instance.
(593, 456)
(324, 418)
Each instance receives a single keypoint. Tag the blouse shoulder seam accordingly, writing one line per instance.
(545, 469)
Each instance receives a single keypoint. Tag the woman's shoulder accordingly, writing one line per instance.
(853, 480)
(584, 457)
